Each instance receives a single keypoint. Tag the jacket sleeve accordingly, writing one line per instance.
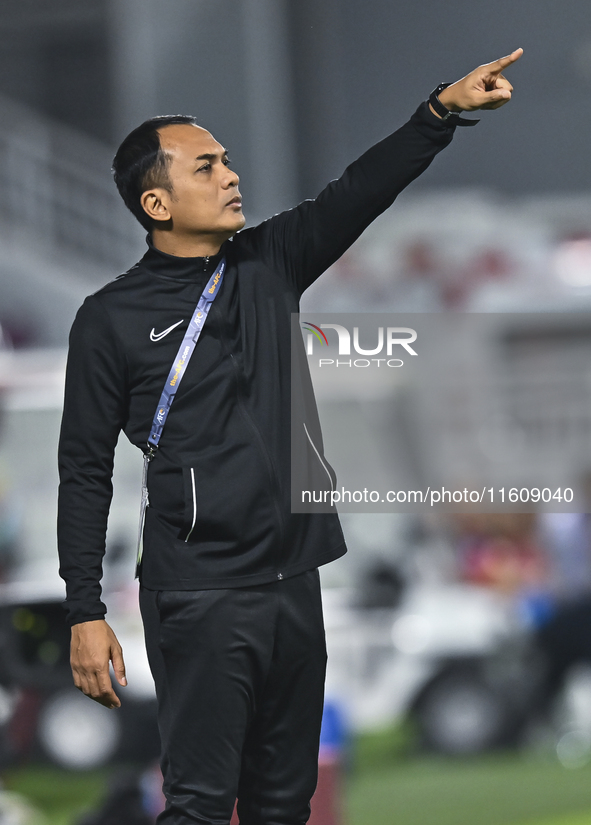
(94, 414)
(306, 240)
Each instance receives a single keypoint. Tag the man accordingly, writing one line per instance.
(229, 582)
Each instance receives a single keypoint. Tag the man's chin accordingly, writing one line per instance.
(236, 225)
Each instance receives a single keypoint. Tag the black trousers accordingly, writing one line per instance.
(239, 677)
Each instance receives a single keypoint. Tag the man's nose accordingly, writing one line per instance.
(231, 178)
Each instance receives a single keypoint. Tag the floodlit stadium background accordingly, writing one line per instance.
(460, 666)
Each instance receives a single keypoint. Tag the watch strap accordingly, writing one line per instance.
(451, 118)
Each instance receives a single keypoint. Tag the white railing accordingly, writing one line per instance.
(57, 189)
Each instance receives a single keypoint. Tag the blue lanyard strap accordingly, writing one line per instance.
(183, 356)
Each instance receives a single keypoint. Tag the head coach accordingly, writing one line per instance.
(189, 354)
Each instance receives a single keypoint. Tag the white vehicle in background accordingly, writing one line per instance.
(451, 657)
(39, 707)
(42, 711)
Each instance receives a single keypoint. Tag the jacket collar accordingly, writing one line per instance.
(171, 266)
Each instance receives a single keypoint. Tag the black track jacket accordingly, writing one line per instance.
(219, 513)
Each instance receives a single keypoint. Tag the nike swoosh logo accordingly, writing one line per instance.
(158, 336)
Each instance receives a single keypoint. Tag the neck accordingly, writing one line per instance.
(187, 247)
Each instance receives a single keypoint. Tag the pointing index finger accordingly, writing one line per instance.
(498, 65)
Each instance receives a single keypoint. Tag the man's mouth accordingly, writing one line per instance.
(235, 202)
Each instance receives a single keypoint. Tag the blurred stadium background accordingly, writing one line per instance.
(459, 684)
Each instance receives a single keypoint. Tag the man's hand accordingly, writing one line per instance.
(92, 647)
(484, 88)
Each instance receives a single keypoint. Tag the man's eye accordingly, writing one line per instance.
(227, 161)
(205, 168)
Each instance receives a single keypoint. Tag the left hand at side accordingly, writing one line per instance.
(484, 88)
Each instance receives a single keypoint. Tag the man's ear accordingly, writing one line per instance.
(155, 204)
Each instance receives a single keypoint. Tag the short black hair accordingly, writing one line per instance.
(141, 163)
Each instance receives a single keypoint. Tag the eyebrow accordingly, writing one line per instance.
(211, 155)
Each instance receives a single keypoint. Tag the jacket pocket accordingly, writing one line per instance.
(328, 474)
(190, 513)
(228, 500)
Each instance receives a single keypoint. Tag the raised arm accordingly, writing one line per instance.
(303, 242)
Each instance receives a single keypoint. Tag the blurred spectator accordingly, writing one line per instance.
(567, 537)
(502, 551)
(490, 264)
(566, 639)
(418, 288)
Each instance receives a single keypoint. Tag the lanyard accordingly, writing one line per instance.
(179, 365)
(175, 376)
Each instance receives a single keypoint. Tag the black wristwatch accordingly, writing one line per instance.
(452, 118)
